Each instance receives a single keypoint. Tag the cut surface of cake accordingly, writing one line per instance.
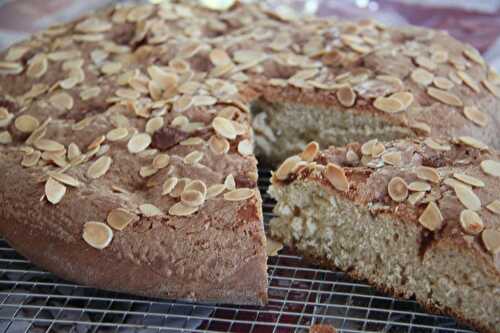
(413, 217)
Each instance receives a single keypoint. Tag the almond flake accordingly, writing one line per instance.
(428, 173)
(192, 141)
(469, 81)
(229, 182)
(147, 171)
(491, 240)
(422, 76)
(204, 100)
(239, 194)
(346, 96)
(169, 185)
(471, 222)
(219, 57)
(161, 161)
(150, 210)
(193, 157)
(10, 68)
(336, 176)
(197, 185)
(468, 179)
(99, 167)
(414, 198)
(472, 142)
(443, 83)
(378, 149)
(467, 197)
(310, 152)
(287, 167)
(62, 101)
(215, 190)
(30, 160)
(425, 63)
(404, 97)
(494, 207)
(93, 25)
(183, 103)
(431, 217)
(477, 117)
(390, 105)
(179, 187)
(491, 167)
(96, 143)
(37, 66)
(15, 53)
(180, 209)
(421, 126)
(54, 191)
(492, 88)
(97, 234)
(397, 189)
(65, 179)
(367, 147)
(419, 186)
(120, 218)
(69, 83)
(154, 124)
(444, 97)
(73, 152)
(117, 134)
(139, 142)
(431, 143)
(165, 80)
(474, 55)
(224, 128)
(392, 158)
(26, 123)
(192, 198)
(48, 145)
(273, 247)
(245, 147)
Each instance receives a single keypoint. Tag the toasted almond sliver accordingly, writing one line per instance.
(336, 176)
(415, 197)
(193, 157)
(180, 209)
(444, 97)
(431, 217)
(419, 186)
(204, 100)
(390, 105)
(392, 158)
(62, 101)
(154, 124)
(183, 103)
(215, 190)
(287, 167)
(273, 247)
(491, 167)
(179, 187)
(477, 117)
(474, 55)
(310, 152)
(30, 160)
(37, 67)
(378, 149)
(406, 98)
(471, 222)
(494, 207)
(54, 191)
(65, 179)
(239, 194)
(397, 189)
(426, 63)
(219, 57)
(117, 134)
(218, 145)
(346, 96)
(147, 171)
(26, 123)
(433, 144)
(421, 126)
(229, 182)
(97, 234)
(492, 88)
(120, 218)
(468, 179)
(150, 210)
(197, 185)
(99, 167)
(367, 147)
(428, 173)
(491, 240)
(422, 76)
(161, 161)
(245, 147)
(224, 127)
(472, 142)
(443, 83)
(139, 142)
(192, 198)
(468, 198)
(48, 145)
(469, 81)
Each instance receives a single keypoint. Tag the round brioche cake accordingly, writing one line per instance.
(127, 136)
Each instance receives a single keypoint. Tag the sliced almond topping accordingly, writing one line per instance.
(181, 209)
(229, 182)
(96, 142)
(224, 127)
(38, 66)
(62, 101)
(204, 100)
(65, 179)
(426, 63)
(154, 124)
(390, 105)
(443, 83)
(139, 142)
(192, 198)
(111, 67)
(161, 161)
(287, 167)
(473, 54)
(239, 194)
(431, 143)
(367, 147)
(431, 217)
(147, 171)
(245, 147)
(428, 173)
(421, 126)
(215, 190)
(179, 187)
(169, 185)
(422, 76)
(477, 117)
(192, 141)
(492, 88)
(414, 198)
(419, 186)
(219, 57)
(193, 157)
(150, 210)
(494, 207)
(26, 123)
(452, 182)
(467, 197)
(310, 152)
(336, 176)
(117, 134)
(97, 234)
(392, 158)
(444, 97)
(273, 247)
(120, 218)
(472, 142)
(397, 189)
(404, 97)
(218, 145)
(469, 81)
(48, 145)
(491, 240)
(165, 80)
(30, 160)
(16, 53)
(99, 167)
(183, 103)
(346, 96)
(471, 222)
(468, 179)
(491, 167)
(73, 152)
(54, 191)
(378, 149)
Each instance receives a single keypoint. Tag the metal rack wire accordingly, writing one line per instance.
(32, 300)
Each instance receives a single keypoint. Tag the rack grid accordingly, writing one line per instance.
(33, 300)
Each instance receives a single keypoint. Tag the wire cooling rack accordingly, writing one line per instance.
(33, 300)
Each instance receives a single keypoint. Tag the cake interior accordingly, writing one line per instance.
(339, 233)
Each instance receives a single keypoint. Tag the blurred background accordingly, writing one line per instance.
(474, 21)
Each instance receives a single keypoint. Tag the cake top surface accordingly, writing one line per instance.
(447, 187)
(150, 103)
